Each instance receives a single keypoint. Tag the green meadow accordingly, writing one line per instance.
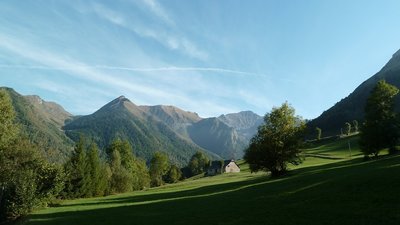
(330, 187)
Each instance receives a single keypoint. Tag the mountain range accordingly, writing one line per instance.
(177, 132)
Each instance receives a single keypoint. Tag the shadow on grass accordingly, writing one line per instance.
(338, 193)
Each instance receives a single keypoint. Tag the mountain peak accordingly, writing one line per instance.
(120, 100)
(121, 103)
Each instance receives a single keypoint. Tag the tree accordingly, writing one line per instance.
(355, 125)
(174, 174)
(78, 179)
(381, 127)
(198, 163)
(141, 176)
(121, 179)
(27, 180)
(347, 128)
(8, 129)
(277, 142)
(125, 150)
(159, 166)
(97, 172)
(136, 167)
(319, 133)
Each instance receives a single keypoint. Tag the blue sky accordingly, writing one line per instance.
(207, 56)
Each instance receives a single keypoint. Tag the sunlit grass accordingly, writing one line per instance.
(328, 190)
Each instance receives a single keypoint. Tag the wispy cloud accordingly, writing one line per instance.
(144, 91)
(168, 37)
(108, 14)
(75, 68)
(159, 11)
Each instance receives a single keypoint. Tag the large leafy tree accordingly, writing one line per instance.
(277, 142)
(381, 128)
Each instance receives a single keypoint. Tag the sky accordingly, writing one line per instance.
(207, 56)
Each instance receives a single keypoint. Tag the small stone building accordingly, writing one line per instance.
(219, 167)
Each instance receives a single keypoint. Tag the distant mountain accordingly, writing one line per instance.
(216, 136)
(352, 107)
(177, 119)
(226, 136)
(245, 123)
(147, 133)
(41, 122)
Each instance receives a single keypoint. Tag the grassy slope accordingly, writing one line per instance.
(329, 190)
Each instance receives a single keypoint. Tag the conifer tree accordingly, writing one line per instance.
(78, 179)
(94, 171)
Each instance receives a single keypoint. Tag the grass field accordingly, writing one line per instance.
(329, 188)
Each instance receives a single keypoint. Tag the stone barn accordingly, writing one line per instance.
(219, 167)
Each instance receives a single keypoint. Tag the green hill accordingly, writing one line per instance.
(352, 107)
(323, 190)
(41, 122)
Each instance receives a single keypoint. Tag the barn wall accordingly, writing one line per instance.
(232, 168)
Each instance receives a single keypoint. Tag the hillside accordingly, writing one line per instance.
(321, 191)
(41, 122)
(123, 119)
(352, 107)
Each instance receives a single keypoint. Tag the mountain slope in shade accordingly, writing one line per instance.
(245, 123)
(41, 122)
(216, 136)
(352, 107)
(123, 119)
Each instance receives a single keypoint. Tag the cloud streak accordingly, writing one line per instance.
(138, 69)
(167, 37)
(159, 11)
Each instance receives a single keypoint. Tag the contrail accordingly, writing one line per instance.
(139, 69)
